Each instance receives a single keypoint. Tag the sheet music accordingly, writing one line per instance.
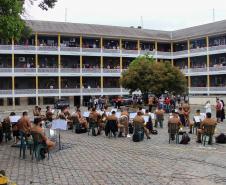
(86, 114)
(14, 119)
(146, 118)
(59, 124)
(118, 114)
(132, 115)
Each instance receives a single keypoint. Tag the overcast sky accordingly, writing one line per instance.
(156, 14)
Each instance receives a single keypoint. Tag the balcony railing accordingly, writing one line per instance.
(70, 70)
(91, 70)
(125, 90)
(70, 91)
(203, 89)
(218, 89)
(47, 48)
(5, 47)
(220, 47)
(91, 90)
(5, 70)
(197, 50)
(111, 70)
(111, 50)
(163, 53)
(112, 90)
(184, 70)
(24, 70)
(142, 52)
(6, 92)
(48, 91)
(94, 50)
(220, 68)
(48, 70)
(76, 49)
(196, 70)
(125, 51)
(25, 91)
(178, 53)
(24, 47)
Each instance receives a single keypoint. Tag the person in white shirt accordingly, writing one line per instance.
(208, 107)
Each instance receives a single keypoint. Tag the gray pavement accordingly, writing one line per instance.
(100, 160)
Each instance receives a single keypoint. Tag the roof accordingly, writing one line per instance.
(97, 30)
(65, 28)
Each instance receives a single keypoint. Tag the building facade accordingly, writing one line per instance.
(76, 61)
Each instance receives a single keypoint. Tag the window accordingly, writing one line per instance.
(49, 100)
(9, 101)
(32, 101)
(1, 102)
(17, 101)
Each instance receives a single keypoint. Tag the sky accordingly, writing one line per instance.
(152, 14)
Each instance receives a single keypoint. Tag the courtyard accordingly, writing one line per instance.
(101, 160)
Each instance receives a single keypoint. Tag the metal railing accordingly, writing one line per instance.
(24, 70)
(5, 47)
(48, 91)
(24, 47)
(217, 89)
(70, 70)
(111, 90)
(196, 70)
(70, 91)
(125, 51)
(213, 48)
(163, 53)
(220, 68)
(204, 89)
(6, 70)
(47, 48)
(94, 50)
(178, 53)
(142, 52)
(111, 70)
(91, 70)
(91, 90)
(48, 70)
(64, 48)
(197, 50)
(184, 70)
(111, 50)
(25, 91)
(6, 92)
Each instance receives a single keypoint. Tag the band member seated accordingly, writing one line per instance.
(174, 119)
(123, 124)
(38, 129)
(139, 120)
(112, 124)
(24, 124)
(67, 116)
(207, 121)
(81, 119)
(95, 118)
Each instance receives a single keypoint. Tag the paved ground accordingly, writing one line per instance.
(100, 160)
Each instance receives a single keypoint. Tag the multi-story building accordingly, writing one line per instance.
(81, 60)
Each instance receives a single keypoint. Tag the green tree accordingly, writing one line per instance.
(11, 23)
(148, 76)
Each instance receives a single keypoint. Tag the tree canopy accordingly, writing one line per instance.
(11, 23)
(148, 76)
